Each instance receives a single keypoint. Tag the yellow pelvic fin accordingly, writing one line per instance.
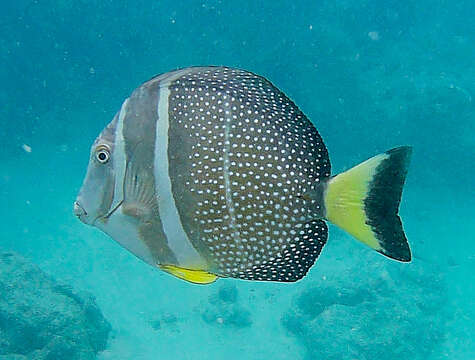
(193, 276)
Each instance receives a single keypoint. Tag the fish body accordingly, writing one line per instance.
(211, 172)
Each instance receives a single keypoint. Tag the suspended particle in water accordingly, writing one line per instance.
(374, 35)
(26, 148)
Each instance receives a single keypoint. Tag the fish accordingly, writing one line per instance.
(213, 172)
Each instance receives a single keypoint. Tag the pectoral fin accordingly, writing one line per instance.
(193, 276)
(139, 191)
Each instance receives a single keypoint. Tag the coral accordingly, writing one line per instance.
(224, 309)
(41, 318)
(388, 311)
(166, 320)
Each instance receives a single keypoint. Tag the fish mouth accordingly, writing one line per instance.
(79, 211)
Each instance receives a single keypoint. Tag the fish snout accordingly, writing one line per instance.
(79, 211)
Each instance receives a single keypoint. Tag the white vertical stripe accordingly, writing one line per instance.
(227, 181)
(119, 157)
(178, 241)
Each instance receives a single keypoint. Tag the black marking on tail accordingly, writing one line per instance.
(382, 204)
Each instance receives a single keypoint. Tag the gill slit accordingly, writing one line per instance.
(113, 210)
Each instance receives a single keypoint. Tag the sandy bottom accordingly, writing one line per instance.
(155, 316)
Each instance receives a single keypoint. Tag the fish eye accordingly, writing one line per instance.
(102, 154)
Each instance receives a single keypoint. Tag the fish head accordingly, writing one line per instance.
(101, 201)
(96, 199)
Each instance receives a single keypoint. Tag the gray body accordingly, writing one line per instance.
(208, 170)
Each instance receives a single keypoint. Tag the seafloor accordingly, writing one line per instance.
(370, 74)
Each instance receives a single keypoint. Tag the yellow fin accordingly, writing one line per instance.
(364, 201)
(193, 276)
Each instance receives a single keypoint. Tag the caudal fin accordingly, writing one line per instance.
(364, 201)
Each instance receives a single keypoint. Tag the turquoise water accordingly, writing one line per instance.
(370, 74)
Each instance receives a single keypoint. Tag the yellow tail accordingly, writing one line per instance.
(364, 201)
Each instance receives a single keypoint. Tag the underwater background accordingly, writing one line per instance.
(370, 74)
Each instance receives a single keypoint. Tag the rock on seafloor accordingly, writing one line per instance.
(42, 319)
(224, 309)
(372, 311)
